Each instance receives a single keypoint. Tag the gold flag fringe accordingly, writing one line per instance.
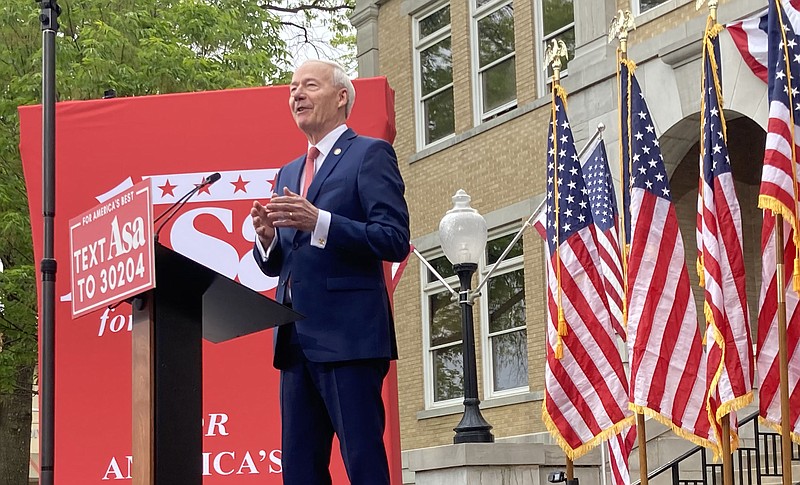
(575, 453)
(682, 433)
(777, 427)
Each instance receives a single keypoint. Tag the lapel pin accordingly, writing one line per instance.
(337, 151)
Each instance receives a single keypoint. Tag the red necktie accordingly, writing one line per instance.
(311, 158)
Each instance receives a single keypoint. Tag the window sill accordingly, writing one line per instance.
(483, 127)
(487, 404)
(659, 11)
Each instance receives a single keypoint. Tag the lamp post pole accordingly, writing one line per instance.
(473, 428)
(462, 232)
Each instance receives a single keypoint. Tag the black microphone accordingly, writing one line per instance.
(178, 204)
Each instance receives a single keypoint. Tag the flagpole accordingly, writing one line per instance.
(727, 462)
(435, 273)
(725, 423)
(598, 133)
(556, 63)
(570, 470)
(783, 354)
(621, 24)
(553, 54)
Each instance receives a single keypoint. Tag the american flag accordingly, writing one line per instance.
(778, 192)
(751, 39)
(668, 368)
(619, 450)
(603, 201)
(585, 385)
(721, 260)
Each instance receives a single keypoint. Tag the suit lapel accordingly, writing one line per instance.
(331, 160)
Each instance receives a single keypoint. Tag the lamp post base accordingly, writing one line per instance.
(473, 428)
(473, 436)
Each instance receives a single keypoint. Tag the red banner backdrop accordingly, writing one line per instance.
(104, 147)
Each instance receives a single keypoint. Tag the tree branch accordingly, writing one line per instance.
(18, 329)
(305, 30)
(301, 8)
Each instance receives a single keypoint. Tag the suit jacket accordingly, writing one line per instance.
(341, 289)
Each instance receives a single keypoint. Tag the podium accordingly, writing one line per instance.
(189, 303)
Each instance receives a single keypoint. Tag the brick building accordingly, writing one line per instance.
(472, 105)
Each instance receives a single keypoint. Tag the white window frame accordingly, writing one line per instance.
(543, 80)
(477, 14)
(506, 266)
(434, 287)
(419, 46)
(637, 7)
(429, 288)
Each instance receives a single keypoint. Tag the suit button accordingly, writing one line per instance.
(295, 246)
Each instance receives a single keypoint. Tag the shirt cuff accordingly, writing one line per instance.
(320, 235)
(265, 253)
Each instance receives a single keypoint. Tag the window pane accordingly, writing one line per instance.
(568, 36)
(442, 266)
(445, 318)
(496, 35)
(448, 368)
(481, 3)
(499, 84)
(507, 301)
(510, 360)
(434, 22)
(556, 14)
(645, 5)
(439, 119)
(495, 248)
(437, 66)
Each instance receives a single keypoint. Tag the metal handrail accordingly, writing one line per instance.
(762, 456)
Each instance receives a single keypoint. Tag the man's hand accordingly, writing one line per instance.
(263, 226)
(291, 210)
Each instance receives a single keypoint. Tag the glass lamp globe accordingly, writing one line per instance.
(462, 231)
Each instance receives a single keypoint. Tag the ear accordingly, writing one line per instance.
(342, 98)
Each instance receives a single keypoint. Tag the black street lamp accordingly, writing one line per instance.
(463, 232)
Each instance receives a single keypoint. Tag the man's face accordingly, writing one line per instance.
(317, 105)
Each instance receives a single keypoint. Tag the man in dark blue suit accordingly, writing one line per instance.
(339, 213)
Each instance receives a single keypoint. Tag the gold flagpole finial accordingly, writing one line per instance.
(552, 57)
(621, 24)
(712, 7)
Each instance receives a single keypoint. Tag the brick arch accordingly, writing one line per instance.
(746, 149)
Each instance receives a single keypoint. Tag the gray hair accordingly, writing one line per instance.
(340, 80)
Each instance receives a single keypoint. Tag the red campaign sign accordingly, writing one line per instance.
(104, 148)
(111, 248)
